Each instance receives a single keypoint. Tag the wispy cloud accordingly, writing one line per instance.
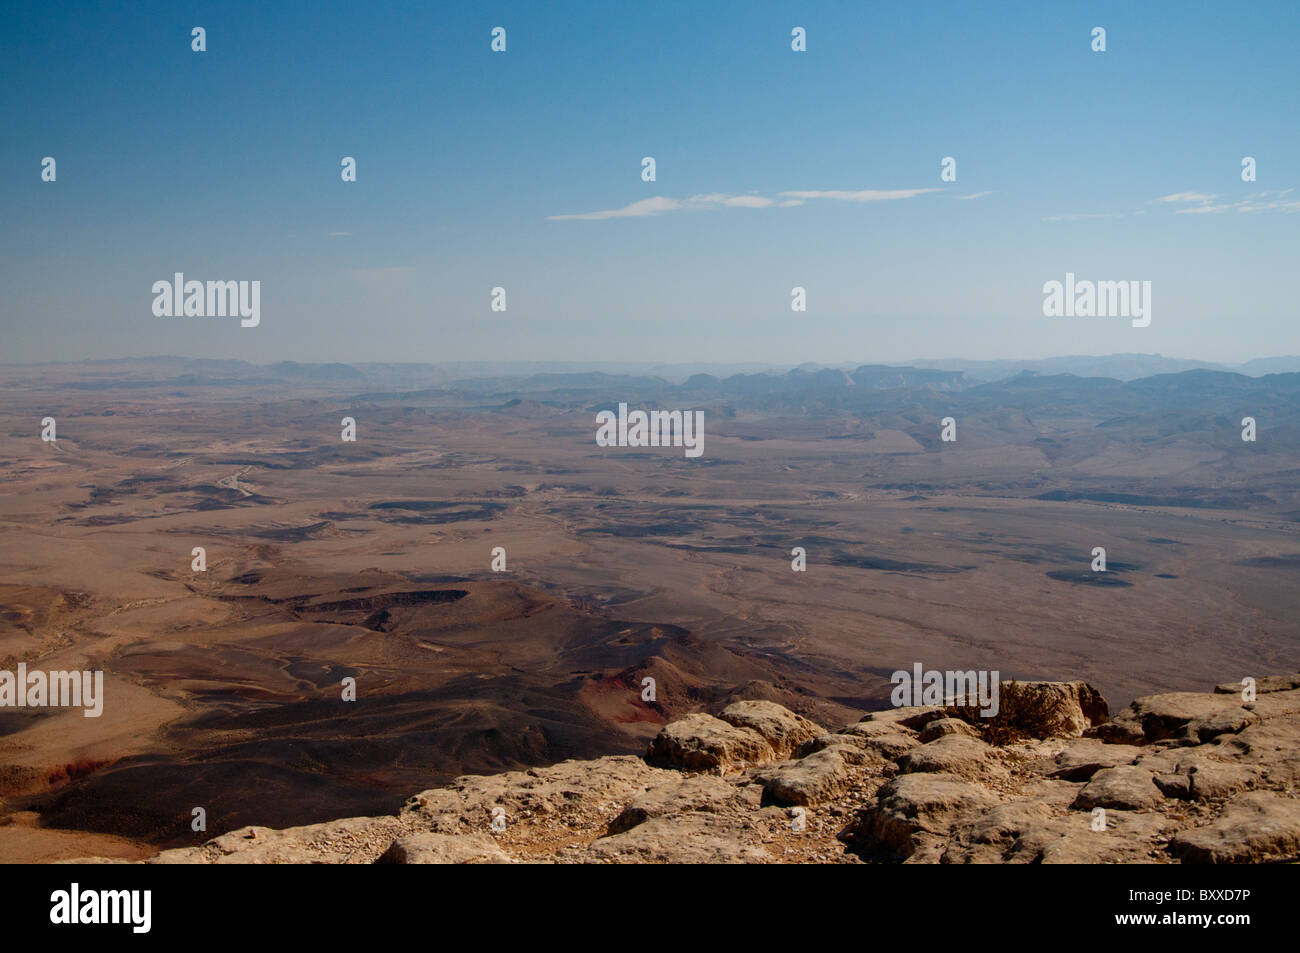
(977, 195)
(714, 200)
(338, 234)
(1201, 203)
(639, 209)
(1201, 197)
(865, 195)
(1256, 202)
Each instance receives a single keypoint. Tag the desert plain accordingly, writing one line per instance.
(372, 560)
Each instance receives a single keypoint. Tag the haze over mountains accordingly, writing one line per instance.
(1122, 367)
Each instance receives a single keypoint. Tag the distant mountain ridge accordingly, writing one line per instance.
(414, 375)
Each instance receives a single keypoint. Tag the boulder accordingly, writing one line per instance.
(1211, 779)
(558, 791)
(1078, 704)
(1029, 832)
(1276, 704)
(914, 804)
(952, 754)
(1269, 683)
(702, 792)
(821, 742)
(677, 839)
(1125, 787)
(701, 742)
(429, 848)
(1254, 827)
(946, 726)
(820, 777)
(1174, 785)
(888, 739)
(349, 840)
(781, 728)
(1272, 745)
(1155, 717)
(1083, 758)
(1204, 774)
(1228, 722)
(911, 716)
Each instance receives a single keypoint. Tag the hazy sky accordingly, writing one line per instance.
(225, 165)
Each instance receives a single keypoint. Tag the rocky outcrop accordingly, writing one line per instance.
(782, 729)
(953, 754)
(1253, 828)
(1079, 706)
(1177, 777)
(1188, 716)
(913, 805)
(429, 848)
(704, 743)
(1125, 787)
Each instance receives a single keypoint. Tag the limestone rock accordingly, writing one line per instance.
(1269, 683)
(1174, 785)
(1276, 704)
(429, 848)
(1127, 839)
(701, 742)
(1228, 722)
(1078, 704)
(1125, 787)
(1155, 717)
(916, 717)
(558, 791)
(1254, 827)
(1273, 746)
(815, 779)
(823, 741)
(913, 804)
(1083, 758)
(781, 728)
(890, 740)
(702, 792)
(349, 840)
(946, 726)
(952, 754)
(678, 839)
(1029, 832)
(1205, 775)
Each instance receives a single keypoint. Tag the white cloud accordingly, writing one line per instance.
(1202, 197)
(977, 195)
(1255, 202)
(865, 195)
(338, 234)
(709, 200)
(652, 206)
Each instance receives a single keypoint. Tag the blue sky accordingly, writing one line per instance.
(225, 165)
